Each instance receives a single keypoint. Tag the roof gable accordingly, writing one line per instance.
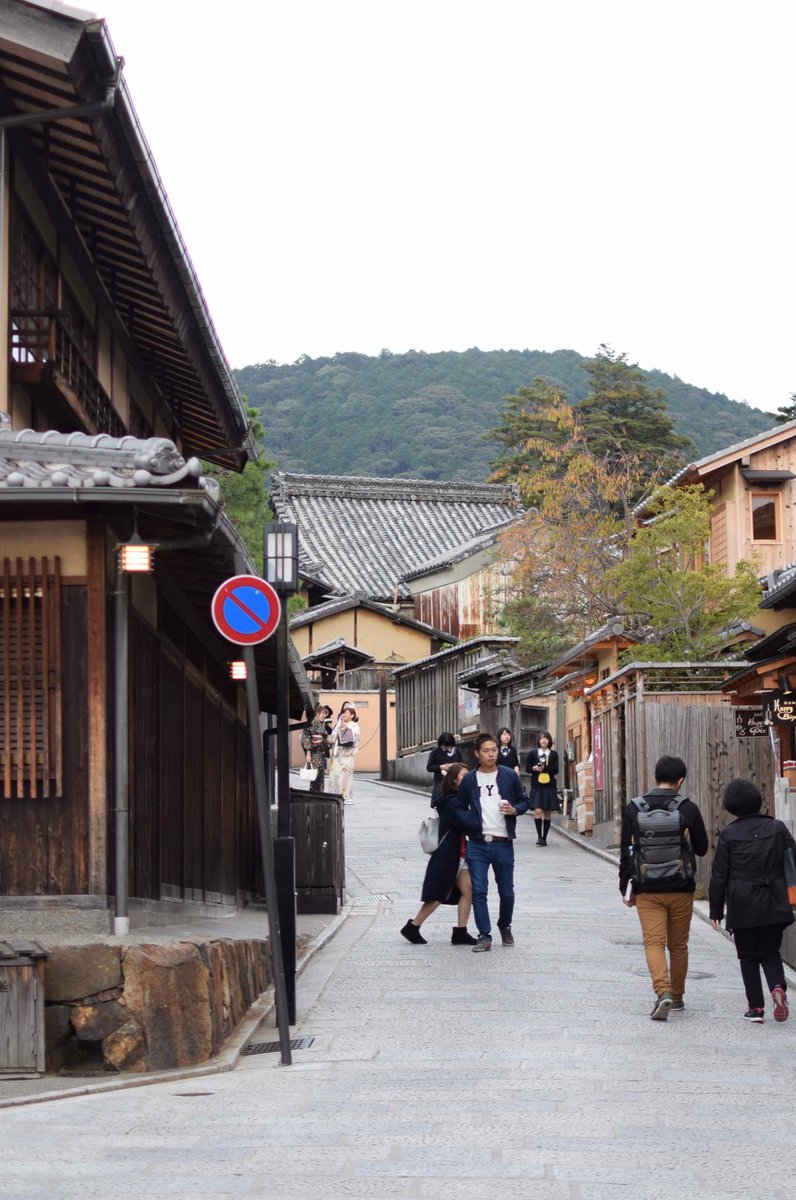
(360, 534)
(127, 243)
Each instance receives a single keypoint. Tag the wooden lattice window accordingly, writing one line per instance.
(31, 757)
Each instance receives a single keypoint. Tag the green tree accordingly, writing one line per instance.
(687, 603)
(786, 412)
(575, 530)
(623, 413)
(244, 493)
(525, 420)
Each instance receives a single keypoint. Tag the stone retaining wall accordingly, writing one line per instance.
(148, 1007)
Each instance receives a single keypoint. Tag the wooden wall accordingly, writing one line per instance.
(44, 838)
(697, 729)
(192, 822)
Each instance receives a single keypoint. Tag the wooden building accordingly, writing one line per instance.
(429, 699)
(112, 382)
(464, 589)
(754, 502)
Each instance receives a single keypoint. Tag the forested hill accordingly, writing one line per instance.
(422, 416)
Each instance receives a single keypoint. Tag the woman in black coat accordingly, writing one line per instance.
(441, 757)
(507, 751)
(447, 879)
(749, 876)
(542, 766)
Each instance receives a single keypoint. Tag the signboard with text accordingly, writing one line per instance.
(779, 707)
(750, 722)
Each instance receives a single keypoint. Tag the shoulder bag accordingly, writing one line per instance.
(790, 875)
(429, 835)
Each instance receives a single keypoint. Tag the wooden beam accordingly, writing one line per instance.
(97, 711)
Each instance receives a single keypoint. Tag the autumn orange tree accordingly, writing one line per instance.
(576, 528)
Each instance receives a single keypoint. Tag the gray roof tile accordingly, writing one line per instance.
(360, 534)
(80, 460)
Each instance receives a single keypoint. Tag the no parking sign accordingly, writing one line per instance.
(245, 610)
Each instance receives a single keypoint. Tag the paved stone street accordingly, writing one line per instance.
(532, 1071)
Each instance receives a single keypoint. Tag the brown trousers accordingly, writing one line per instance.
(665, 923)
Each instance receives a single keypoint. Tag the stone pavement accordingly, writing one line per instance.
(527, 1072)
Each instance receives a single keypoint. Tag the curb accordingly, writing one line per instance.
(226, 1060)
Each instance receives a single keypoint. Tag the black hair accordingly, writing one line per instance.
(669, 769)
(505, 729)
(483, 737)
(742, 798)
(446, 739)
(545, 733)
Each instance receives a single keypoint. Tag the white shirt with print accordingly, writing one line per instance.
(494, 822)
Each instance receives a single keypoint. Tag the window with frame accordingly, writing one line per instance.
(31, 751)
(765, 516)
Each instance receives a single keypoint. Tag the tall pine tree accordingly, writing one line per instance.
(623, 413)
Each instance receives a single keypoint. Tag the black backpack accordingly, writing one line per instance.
(662, 850)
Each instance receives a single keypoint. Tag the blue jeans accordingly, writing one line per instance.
(500, 856)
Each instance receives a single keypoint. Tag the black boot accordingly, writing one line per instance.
(460, 936)
(412, 934)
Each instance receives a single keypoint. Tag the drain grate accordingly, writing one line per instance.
(303, 1043)
(374, 898)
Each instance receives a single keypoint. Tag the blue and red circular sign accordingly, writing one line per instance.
(245, 610)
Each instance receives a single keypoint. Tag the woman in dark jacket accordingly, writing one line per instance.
(447, 879)
(507, 751)
(542, 766)
(749, 876)
(441, 757)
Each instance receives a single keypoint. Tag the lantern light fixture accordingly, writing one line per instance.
(280, 556)
(237, 670)
(136, 557)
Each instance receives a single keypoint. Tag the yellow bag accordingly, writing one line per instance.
(544, 777)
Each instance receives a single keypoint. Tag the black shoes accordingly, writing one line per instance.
(413, 934)
(507, 937)
(460, 936)
(755, 1015)
(660, 1009)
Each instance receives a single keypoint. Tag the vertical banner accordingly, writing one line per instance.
(598, 755)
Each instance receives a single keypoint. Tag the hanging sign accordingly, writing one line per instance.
(779, 707)
(245, 610)
(750, 722)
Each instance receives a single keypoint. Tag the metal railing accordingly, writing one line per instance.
(39, 337)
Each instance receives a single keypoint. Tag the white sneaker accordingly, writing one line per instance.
(348, 802)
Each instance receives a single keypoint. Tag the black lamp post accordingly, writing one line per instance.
(280, 569)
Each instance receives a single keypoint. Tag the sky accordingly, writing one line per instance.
(517, 174)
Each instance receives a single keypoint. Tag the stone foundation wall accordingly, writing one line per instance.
(148, 1007)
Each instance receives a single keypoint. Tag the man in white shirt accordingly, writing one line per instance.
(488, 802)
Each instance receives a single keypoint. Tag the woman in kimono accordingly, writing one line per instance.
(315, 744)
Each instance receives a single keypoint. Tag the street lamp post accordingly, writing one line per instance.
(133, 557)
(280, 569)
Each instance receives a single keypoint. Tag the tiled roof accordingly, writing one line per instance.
(81, 460)
(778, 586)
(365, 534)
(458, 553)
(357, 600)
(483, 640)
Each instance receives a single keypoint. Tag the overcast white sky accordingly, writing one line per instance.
(440, 174)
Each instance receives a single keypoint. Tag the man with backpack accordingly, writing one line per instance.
(662, 831)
